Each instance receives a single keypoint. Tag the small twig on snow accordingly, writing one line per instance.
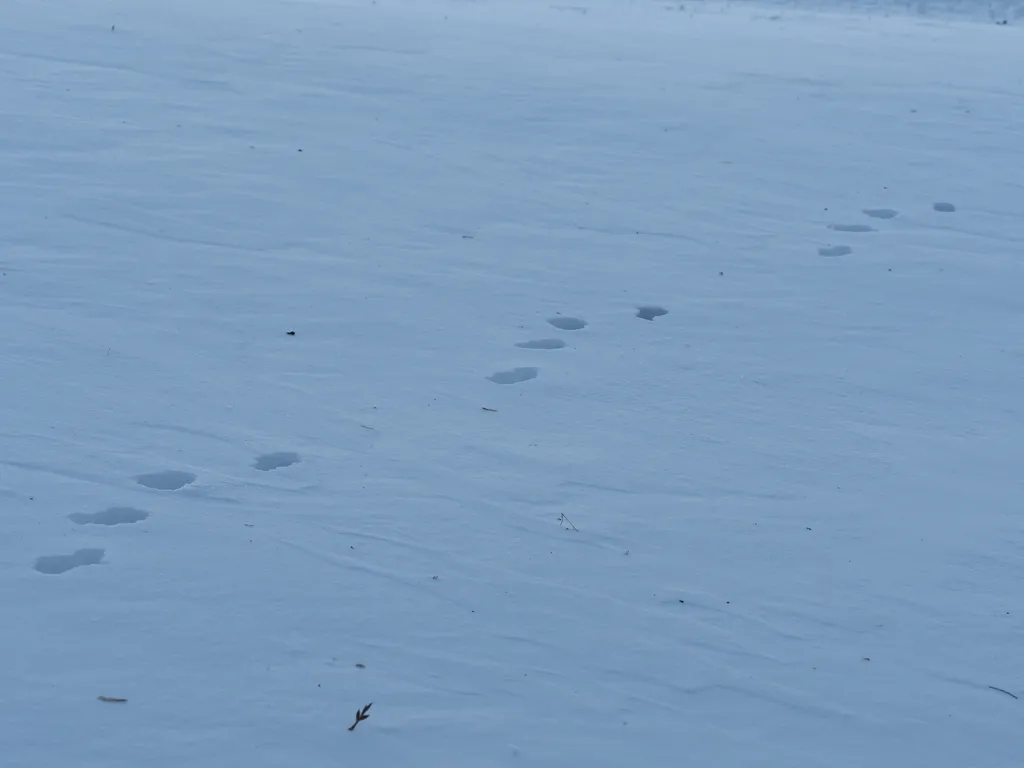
(1006, 692)
(566, 521)
(361, 715)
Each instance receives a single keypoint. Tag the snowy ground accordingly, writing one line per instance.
(780, 525)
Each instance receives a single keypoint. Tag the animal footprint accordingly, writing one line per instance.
(944, 207)
(650, 312)
(111, 516)
(542, 344)
(568, 323)
(881, 213)
(168, 480)
(53, 565)
(835, 250)
(279, 460)
(852, 228)
(515, 376)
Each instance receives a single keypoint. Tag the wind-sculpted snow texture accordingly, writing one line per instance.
(589, 383)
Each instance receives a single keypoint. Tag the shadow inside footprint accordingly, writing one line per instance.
(279, 460)
(650, 312)
(542, 344)
(835, 250)
(852, 228)
(53, 565)
(515, 376)
(568, 323)
(168, 480)
(944, 207)
(111, 516)
(881, 213)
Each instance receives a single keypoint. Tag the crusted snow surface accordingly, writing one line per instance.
(581, 383)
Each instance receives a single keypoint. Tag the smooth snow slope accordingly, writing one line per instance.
(780, 525)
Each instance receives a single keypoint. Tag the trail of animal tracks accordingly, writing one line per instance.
(602, 383)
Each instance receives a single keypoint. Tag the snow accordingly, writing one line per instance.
(607, 383)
